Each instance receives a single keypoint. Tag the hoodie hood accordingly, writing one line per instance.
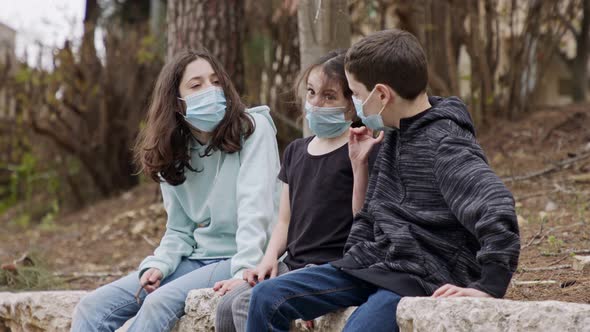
(451, 108)
(264, 111)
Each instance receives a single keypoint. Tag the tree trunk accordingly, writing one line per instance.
(217, 25)
(580, 63)
(323, 26)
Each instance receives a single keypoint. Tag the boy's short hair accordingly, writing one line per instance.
(393, 57)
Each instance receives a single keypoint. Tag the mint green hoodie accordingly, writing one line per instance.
(225, 210)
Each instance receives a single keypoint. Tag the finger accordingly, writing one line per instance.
(380, 137)
(447, 289)
(459, 293)
(252, 279)
(441, 290)
(223, 290)
(217, 285)
(363, 130)
(273, 272)
(151, 288)
(450, 291)
(153, 277)
(357, 131)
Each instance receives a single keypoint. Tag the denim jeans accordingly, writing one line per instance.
(315, 291)
(110, 306)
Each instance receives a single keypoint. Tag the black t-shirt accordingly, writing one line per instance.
(320, 192)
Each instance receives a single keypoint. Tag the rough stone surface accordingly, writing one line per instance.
(581, 263)
(51, 311)
(38, 311)
(200, 315)
(491, 315)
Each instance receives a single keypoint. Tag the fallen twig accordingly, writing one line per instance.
(88, 274)
(568, 252)
(532, 195)
(534, 238)
(557, 166)
(546, 268)
(534, 282)
(150, 242)
(552, 229)
(559, 260)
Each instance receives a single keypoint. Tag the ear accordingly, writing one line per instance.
(350, 111)
(385, 94)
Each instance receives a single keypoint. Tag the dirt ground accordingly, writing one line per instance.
(110, 238)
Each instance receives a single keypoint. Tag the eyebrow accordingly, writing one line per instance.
(200, 77)
(194, 78)
(309, 85)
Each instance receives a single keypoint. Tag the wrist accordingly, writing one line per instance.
(270, 256)
(359, 164)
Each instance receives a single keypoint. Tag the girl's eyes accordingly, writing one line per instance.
(216, 82)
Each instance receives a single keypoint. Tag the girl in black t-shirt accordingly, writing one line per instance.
(317, 201)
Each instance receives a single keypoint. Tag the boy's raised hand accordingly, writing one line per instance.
(360, 144)
(266, 268)
(449, 290)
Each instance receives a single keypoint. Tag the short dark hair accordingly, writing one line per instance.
(393, 57)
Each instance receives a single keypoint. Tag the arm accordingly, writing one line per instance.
(485, 207)
(360, 144)
(360, 173)
(256, 195)
(178, 241)
(278, 240)
(268, 267)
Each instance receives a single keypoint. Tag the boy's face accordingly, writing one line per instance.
(372, 104)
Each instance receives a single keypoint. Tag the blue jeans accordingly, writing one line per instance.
(315, 291)
(110, 306)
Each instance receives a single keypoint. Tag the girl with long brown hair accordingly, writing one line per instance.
(217, 164)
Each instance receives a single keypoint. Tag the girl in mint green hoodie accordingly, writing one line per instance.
(217, 163)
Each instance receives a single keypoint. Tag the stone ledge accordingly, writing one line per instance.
(51, 312)
(491, 315)
(37, 311)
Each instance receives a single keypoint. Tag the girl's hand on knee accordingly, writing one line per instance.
(150, 280)
(225, 286)
(449, 290)
(266, 268)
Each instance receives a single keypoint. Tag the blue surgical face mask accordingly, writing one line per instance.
(205, 109)
(326, 122)
(374, 121)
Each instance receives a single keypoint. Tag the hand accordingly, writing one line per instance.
(150, 279)
(224, 286)
(360, 144)
(449, 290)
(266, 268)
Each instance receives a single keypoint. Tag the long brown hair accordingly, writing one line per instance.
(162, 148)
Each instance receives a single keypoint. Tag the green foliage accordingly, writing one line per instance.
(554, 244)
(33, 276)
(146, 54)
